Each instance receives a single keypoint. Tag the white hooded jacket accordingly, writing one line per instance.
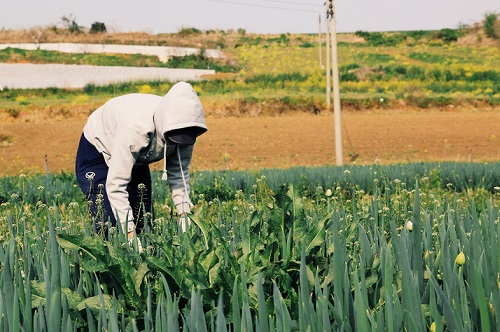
(130, 130)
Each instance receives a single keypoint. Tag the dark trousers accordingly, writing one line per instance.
(91, 173)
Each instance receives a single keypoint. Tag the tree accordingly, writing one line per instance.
(98, 27)
(69, 22)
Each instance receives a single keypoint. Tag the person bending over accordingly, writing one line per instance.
(119, 141)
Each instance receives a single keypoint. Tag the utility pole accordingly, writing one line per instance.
(336, 89)
(320, 42)
(328, 61)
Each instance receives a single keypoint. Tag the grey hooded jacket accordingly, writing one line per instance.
(130, 130)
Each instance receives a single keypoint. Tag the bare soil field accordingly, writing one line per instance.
(237, 143)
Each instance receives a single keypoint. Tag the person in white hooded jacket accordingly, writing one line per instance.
(119, 141)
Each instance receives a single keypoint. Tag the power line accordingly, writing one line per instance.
(262, 6)
(292, 3)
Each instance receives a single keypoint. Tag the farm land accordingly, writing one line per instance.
(405, 102)
(405, 236)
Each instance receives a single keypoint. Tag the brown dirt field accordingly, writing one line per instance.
(386, 136)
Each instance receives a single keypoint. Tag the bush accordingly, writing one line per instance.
(349, 73)
(489, 23)
(307, 44)
(14, 112)
(200, 61)
(380, 39)
(5, 140)
(248, 41)
(189, 31)
(280, 79)
(416, 35)
(349, 77)
(282, 39)
(448, 35)
(427, 57)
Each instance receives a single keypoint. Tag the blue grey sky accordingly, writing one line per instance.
(257, 16)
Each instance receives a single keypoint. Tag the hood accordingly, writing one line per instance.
(179, 108)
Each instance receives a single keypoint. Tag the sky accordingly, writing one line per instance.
(254, 16)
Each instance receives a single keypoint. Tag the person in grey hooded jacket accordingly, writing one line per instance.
(119, 141)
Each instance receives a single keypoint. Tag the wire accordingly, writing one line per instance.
(292, 3)
(262, 6)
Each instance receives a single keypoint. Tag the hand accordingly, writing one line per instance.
(132, 237)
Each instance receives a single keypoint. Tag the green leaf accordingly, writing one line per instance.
(235, 305)
(449, 316)
(204, 227)
(220, 323)
(213, 274)
(139, 277)
(362, 323)
(261, 306)
(481, 296)
(6, 280)
(388, 286)
(316, 235)
(207, 260)
(94, 303)
(53, 279)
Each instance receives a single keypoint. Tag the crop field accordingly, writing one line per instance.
(406, 247)
(404, 237)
